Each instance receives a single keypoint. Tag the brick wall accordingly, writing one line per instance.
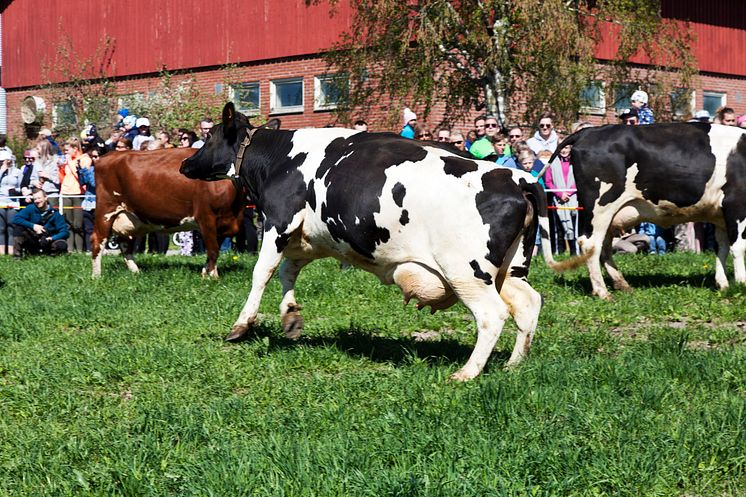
(308, 67)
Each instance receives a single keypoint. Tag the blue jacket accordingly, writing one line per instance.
(30, 215)
(88, 178)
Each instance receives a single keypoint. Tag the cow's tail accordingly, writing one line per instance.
(539, 200)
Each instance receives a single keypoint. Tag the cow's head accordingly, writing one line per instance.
(216, 159)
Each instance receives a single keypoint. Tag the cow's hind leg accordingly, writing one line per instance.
(292, 321)
(617, 278)
(127, 246)
(721, 277)
(266, 264)
(490, 314)
(524, 304)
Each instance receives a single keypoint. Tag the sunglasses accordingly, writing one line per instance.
(28, 158)
(184, 138)
(458, 142)
(515, 136)
(443, 139)
(491, 125)
(425, 135)
(95, 157)
(545, 125)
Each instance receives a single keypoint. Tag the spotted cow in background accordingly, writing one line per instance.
(441, 227)
(141, 192)
(663, 173)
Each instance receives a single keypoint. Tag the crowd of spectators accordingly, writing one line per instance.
(58, 174)
(509, 146)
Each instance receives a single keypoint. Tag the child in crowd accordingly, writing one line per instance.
(560, 177)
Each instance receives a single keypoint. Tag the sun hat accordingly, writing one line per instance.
(408, 115)
(639, 96)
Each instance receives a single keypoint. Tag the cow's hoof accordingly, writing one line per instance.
(623, 286)
(462, 375)
(237, 333)
(292, 325)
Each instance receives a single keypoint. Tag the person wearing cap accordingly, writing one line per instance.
(629, 117)
(46, 134)
(94, 140)
(702, 116)
(10, 189)
(143, 128)
(639, 100)
(410, 121)
(130, 127)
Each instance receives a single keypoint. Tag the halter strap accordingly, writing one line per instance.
(236, 179)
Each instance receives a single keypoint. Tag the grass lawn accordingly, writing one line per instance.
(124, 386)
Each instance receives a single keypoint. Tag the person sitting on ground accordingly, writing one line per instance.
(410, 121)
(39, 229)
(655, 237)
(639, 101)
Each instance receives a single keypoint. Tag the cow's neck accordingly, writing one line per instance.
(268, 152)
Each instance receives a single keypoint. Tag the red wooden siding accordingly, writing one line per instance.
(176, 34)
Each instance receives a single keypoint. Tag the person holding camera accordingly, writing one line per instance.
(39, 229)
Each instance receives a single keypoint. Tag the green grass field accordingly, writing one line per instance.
(124, 386)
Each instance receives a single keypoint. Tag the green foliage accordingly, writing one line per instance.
(514, 58)
(124, 386)
(175, 104)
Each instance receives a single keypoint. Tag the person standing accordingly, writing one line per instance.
(483, 146)
(545, 138)
(639, 101)
(560, 177)
(144, 136)
(71, 192)
(205, 128)
(88, 180)
(410, 121)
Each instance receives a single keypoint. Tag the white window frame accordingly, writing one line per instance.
(274, 108)
(599, 106)
(713, 93)
(249, 111)
(319, 99)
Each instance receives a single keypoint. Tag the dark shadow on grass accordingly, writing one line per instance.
(153, 263)
(358, 342)
(651, 280)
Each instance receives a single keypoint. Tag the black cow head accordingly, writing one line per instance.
(216, 159)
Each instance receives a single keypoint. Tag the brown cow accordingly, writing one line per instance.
(142, 192)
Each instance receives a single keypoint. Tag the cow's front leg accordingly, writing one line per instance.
(212, 247)
(269, 258)
(292, 321)
(721, 278)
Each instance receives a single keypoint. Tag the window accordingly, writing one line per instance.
(682, 103)
(286, 95)
(622, 94)
(329, 91)
(63, 116)
(592, 98)
(245, 96)
(712, 101)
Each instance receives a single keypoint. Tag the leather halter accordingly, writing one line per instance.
(236, 179)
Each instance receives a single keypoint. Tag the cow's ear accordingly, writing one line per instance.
(229, 114)
(272, 124)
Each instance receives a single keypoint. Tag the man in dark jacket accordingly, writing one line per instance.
(39, 229)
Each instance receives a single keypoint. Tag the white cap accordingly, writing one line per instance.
(130, 120)
(639, 96)
(702, 114)
(45, 132)
(5, 155)
(142, 121)
(409, 115)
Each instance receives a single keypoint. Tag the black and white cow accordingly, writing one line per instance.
(663, 173)
(441, 227)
